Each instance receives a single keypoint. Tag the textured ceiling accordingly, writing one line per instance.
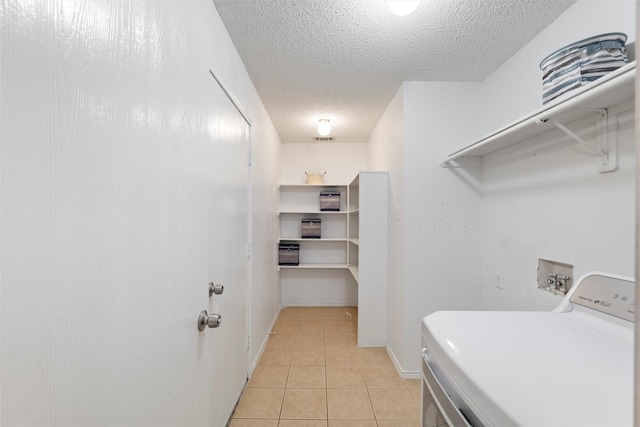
(345, 59)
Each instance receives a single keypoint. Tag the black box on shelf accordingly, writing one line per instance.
(288, 254)
(310, 228)
(329, 200)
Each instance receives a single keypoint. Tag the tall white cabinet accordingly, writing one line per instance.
(348, 264)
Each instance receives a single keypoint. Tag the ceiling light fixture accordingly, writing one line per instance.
(324, 128)
(403, 7)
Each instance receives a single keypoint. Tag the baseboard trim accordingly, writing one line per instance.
(406, 375)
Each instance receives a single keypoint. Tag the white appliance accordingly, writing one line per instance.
(569, 367)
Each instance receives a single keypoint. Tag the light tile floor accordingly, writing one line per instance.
(313, 374)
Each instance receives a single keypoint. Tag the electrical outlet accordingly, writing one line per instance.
(499, 280)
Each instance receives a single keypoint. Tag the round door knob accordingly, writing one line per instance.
(214, 320)
(215, 289)
(204, 319)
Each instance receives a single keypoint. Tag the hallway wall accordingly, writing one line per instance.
(117, 169)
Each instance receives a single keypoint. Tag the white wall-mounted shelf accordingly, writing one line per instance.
(313, 266)
(596, 97)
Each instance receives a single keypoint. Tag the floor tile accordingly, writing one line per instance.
(276, 356)
(289, 313)
(393, 404)
(346, 328)
(309, 340)
(349, 403)
(310, 327)
(415, 388)
(352, 423)
(339, 319)
(341, 355)
(382, 377)
(307, 377)
(308, 356)
(345, 376)
(373, 356)
(277, 340)
(260, 403)
(269, 376)
(304, 404)
(399, 423)
(246, 422)
(338, 340)
(303, 423)
(286, 327)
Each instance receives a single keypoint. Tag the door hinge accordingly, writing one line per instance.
(249, 250)
(249, 158)
(249, 342)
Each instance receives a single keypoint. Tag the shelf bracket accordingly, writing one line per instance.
(606, 149)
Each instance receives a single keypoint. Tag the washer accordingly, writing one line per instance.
(572, 366)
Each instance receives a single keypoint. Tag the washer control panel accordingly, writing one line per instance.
(610, 295)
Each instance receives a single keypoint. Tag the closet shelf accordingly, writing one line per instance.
(596, 97)
(312, 212)
(299, 239)
(316, 266)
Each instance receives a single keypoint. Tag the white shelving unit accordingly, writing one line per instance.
(352, 239)
(594, 98)
(303, 201)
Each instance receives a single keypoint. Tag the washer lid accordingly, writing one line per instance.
(535, 368)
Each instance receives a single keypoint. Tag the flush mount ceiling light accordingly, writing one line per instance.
(403, 7)
(324, 128)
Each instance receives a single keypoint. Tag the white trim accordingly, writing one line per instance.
(405, 375)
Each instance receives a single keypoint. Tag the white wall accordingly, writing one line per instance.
(434, 212)
(386, 153)
(441, 209)
(265, 160)
(550, 202)
(341, 161)
(102, 164)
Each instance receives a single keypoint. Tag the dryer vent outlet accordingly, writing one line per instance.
(555, 277)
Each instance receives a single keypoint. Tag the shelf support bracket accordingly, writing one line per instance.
(606, 150)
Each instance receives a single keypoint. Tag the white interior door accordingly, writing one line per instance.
(229, 261)
(123, 177)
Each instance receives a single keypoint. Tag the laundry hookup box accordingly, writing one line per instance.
(329, 200)
(310, 228)
(288, 254)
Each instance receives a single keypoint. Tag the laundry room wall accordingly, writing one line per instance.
(434, 214)
(341, 162)
(385, 151)
(549, 202)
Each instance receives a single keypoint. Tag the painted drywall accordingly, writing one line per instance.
(434, 220)
(550, 202)
(385, 152)
(264, 291)
(341, 161)
(108, 205)
(441, 208)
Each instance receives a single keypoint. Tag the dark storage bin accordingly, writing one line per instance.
(329, 200)
(289, 254)
(310, 228)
